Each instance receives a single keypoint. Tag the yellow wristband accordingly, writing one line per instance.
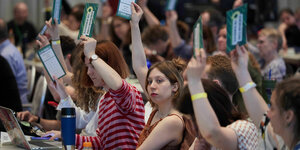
(199, 96)
(56, 42)
(247, 87)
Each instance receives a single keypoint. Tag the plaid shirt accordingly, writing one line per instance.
(247, 134)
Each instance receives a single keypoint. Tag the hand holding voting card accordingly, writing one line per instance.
(124, 9)
(171, 5)
(88, 20)
(198, 35)
(236, 21)
(56, 11)
(51, 62)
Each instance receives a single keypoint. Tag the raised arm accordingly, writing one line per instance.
(149, 16)
(255, 104)
(111, 78)
(53, 30)
(138, 54)
(172, 26)
(208, 124)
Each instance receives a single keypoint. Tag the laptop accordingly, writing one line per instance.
(17, 136)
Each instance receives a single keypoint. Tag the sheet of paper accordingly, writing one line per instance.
(198, 35)
(124, 9)
(171, 4)
(51, 62)
(236, 21)
(56, 10)
(88, 20)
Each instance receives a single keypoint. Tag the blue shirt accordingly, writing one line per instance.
(16, 62)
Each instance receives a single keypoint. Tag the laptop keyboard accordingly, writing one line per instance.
(41, 144)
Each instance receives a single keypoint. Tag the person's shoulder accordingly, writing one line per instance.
(173, 122)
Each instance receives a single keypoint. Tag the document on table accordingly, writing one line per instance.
(51, 62)
(124, 9)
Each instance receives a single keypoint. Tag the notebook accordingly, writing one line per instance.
(17, 136)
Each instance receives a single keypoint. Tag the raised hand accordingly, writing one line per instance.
(142, 3)
(171, 16)
(59, 87)
(137, 13)
(196, 65)
(239, 59)
(43, 41)
(52, 29)
(89, 45)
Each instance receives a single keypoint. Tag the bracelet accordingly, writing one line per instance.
(247, 87)
(39, 119)
(55, 42)
(199, 96)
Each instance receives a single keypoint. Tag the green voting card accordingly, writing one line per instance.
(198, 35)
(51, 62)
(124, 9)
(171, 5)
(56, 9)
(88, 20)
(236, 21)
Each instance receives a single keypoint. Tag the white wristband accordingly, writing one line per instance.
(247, 87)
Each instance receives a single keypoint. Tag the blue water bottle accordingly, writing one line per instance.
(68, 127)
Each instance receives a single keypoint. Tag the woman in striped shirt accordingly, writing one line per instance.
(119, 116)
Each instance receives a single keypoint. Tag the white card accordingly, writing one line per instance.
(51, 62)
(124, 8)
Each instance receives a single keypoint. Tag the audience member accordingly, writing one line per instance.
(9, 89)
(15, 60)
(104, 68)
(269, 43)
(283, 116)
(240, 134)
(288, 29)
(23, 31)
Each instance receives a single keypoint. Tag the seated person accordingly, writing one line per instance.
(269, 42)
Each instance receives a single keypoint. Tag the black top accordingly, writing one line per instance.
(22, 34)
(292, 34)
(9, 92)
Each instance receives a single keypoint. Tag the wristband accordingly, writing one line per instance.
(247, 87)
(55, 42)
(199, 96)
(39, 120)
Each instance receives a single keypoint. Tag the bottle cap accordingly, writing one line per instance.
(87, 144)
(68, 111)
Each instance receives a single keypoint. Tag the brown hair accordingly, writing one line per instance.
(153, 34)
(221, 69)
(184, 30)
(287, 97)
(111, 55)
(173, 71)
(209, 37)
(218, 99)
(114, 37)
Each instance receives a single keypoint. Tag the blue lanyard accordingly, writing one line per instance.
(297, 147)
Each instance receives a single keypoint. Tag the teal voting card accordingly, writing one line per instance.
(124, 9)
(56, 10)
(236, 21)
(171, 5)
(88, 20)
(198, 35)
